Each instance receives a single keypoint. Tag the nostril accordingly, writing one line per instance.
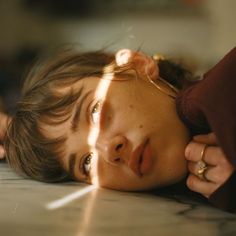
(117, 159)
(119, 146)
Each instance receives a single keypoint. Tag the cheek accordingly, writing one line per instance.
(119, 178)
(108, 176)
(114, 177)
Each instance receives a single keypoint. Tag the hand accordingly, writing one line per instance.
(4, 121)
(219, 169)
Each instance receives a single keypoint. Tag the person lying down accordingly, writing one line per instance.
(123, 121)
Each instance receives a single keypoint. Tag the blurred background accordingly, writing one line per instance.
(199, 31)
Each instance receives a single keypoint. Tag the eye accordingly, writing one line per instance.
(86, 164)
(96, 112)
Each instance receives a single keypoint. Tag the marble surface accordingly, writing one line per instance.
(24, 210)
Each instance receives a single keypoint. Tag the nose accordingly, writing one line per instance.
(112, 150)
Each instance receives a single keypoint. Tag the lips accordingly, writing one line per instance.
(140, 161)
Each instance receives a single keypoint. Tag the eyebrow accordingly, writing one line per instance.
(76, 118)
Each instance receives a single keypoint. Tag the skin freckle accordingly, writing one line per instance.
(131, 106)
(140, 126)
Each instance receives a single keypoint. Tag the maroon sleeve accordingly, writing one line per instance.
(225, 196)
(210, 105)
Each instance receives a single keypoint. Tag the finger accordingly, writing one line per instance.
(211, 174)
(218, 175)
(193, 151)
(214, 156)
(2, 152)
(209, 139)
(203, 187)
(193, 168)
(4, 122)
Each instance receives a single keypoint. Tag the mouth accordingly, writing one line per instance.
(140, 161)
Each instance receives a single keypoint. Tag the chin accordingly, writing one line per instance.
(178, 179)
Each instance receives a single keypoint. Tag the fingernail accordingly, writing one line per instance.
(187, 152)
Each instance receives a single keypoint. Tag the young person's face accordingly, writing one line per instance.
(140, 140)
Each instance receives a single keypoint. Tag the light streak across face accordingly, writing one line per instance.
(122, 57)
(100, 93)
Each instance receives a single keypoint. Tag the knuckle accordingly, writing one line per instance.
(190, 150)
(190, 182)
(216, 178)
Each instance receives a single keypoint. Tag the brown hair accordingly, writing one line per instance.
(31, 153)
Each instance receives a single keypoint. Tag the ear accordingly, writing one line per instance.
(143, 64)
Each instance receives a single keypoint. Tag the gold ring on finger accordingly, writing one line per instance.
(202, 166)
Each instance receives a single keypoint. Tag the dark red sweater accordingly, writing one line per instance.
(210, 106)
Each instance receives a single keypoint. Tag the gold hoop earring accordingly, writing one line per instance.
(175, 90)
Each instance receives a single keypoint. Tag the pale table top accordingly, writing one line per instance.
(24, 210)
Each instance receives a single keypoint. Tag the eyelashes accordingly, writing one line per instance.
(95, 112)
(86, 165)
